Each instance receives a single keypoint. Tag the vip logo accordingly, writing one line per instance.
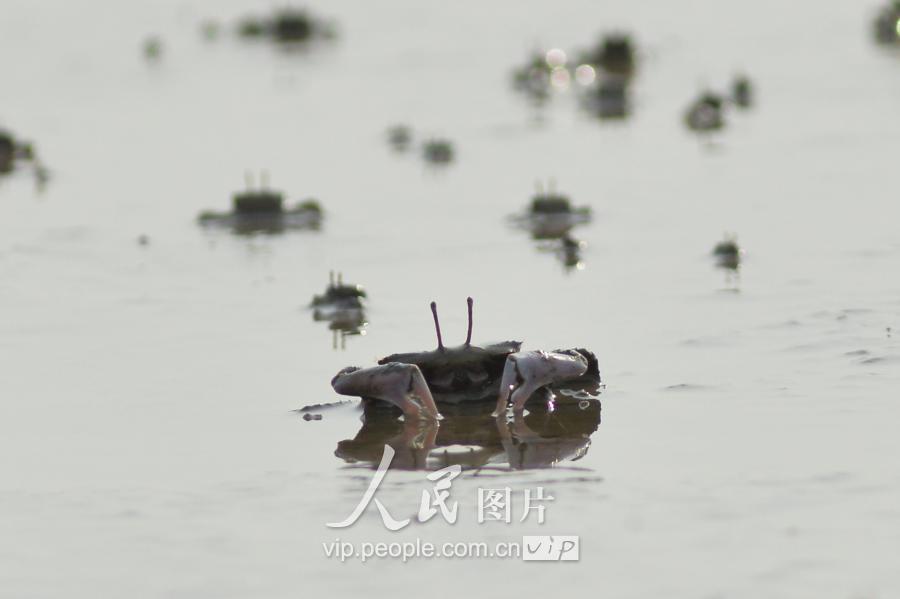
(550, 549)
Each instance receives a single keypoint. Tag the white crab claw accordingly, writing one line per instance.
(527, 371)
(400, 384)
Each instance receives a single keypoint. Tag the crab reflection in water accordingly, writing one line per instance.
(342, 306)
(545, 436)
(728, 255)
(550, 219)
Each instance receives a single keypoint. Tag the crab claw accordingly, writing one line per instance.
(400, 384)
(527, 371)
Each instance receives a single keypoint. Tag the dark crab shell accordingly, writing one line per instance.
(304, 216)
(550, 215)
(463, 373)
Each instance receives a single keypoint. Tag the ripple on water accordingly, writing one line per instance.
(711, 341)
(689, 387)
(880, 360)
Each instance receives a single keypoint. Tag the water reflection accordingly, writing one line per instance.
(728, 255)
(612, 63)
(602, 73)
(347, 323)
(608, 100)
(550, 432)
(569, 253)
(550, 219)
(342, 306)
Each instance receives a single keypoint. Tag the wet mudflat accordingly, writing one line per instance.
(147, 390)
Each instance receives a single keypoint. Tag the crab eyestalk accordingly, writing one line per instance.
(469, 302)
(437, 325)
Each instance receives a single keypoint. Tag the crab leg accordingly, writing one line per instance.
(400, 384)
(419, 388)
(516, 388)
(526, 372)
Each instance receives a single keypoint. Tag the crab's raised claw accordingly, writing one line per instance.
(400, 384)
(526, 372)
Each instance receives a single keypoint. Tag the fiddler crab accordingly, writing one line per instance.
(887, 24)
(728, 253)
(416, 382)
(706, 113)
(615, 54)
(14, 151)
(342, 306)
(438, 151)
(400, 137)
(742, 91)
(264, 210)
(551, 214)
(287, 26)
(550, 219)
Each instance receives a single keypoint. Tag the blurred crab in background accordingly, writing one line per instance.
(263, 210)
(886, 27)
(343, 308)
(706, 113)
(550, 219)
(728, 253)
(438, 151)
(287, 26)
(415, 382)
(615, 53)
(709, 111)
(728, 256)
(14, 152)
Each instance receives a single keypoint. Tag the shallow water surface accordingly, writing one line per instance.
(148, 434)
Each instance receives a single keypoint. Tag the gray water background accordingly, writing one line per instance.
(147, 444)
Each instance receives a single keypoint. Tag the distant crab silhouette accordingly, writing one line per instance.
(262, 210)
